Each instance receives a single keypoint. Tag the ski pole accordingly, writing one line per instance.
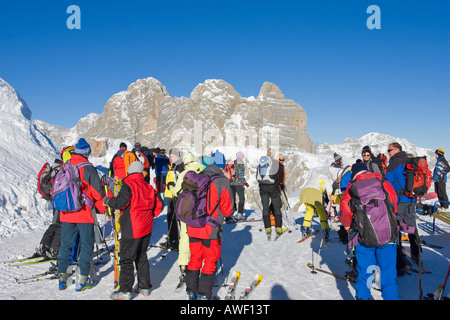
(445, 282)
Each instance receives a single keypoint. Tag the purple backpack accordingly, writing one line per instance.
(67, 195)
(191, 205)
(373, 214)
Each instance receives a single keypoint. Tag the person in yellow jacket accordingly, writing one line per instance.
(312, 196)
(175, 188)
(173, 171)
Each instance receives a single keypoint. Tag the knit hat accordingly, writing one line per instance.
(357, 168)
(82, 147)
(188, 158)
(240, 155)
(137, 146)
(337, 157)
(175, 152)
(440, 152)
(218, 158)
(366, 149)
(136, 167)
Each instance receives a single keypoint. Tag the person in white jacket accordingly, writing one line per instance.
(312, 196)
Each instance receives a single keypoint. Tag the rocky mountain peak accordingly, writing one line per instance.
(270, 90)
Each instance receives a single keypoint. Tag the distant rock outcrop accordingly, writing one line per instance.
(212, 114)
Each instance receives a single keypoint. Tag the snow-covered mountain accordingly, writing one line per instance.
(23, 150)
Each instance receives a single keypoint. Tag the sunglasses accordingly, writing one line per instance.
(282, 160)
(366, 155)
(389, 150)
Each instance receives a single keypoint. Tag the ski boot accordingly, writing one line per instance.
(83, 282)
(117, 295)
(306, 232)
(269, 233)
(192, 295)
(63, 277)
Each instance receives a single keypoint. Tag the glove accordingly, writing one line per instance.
(246, 184)
(106, 201)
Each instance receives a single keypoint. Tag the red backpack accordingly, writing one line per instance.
(45, 179)
(229, 171)
(418, 177)
(382, 161)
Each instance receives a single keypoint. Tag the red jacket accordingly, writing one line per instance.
(346, 213)
(119, 167)
(219, 191)
(92, 187)
(140, 205)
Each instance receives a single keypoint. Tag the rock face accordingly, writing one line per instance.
(214, 115)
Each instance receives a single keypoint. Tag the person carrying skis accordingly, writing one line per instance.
(440, 178)
(369, 195)
(81, 222)
(139, 204)
(205, 243)
(239, 183)
(312, 196)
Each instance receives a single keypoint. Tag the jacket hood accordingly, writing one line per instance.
(213, 170)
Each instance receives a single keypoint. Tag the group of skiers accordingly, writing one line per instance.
(377, 202)
(144, 174)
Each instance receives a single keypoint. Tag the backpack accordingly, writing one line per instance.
(142, 158)
(373, 213)
(44, 181)
(229, 171)
(346, 177)
(382, 162)
(191, 205)
(67, 196)
(418, 177)
(264, 170)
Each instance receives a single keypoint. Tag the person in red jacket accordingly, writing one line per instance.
(140, 204)
(205, 243)
(81, 222)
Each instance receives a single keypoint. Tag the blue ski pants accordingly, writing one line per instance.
(69, 232)
(385, 259)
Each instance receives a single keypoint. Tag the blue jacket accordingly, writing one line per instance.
(395, 175)
(442, 167)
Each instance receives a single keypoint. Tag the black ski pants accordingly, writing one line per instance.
(271, 193)
(134, 251)
(441, 191)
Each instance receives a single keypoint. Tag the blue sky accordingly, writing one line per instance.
(349, 79)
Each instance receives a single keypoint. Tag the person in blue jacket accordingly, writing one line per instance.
(406, 206)
(440, 178)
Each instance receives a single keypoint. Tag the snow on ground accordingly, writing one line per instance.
(283, 264)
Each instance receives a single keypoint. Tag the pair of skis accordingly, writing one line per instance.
(29, 261)
(231, 290)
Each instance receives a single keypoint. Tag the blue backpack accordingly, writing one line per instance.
(67, 195)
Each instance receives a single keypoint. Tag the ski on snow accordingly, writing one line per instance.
(48, 275)
(231, 290)
(246, 294)
(251, 288)
(314, 268)
(310, 236)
